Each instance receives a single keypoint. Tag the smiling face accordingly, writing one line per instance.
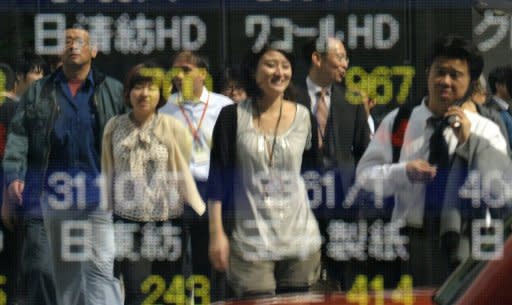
(334, 63)
(448, 81)
(273, 73)
(144, 97)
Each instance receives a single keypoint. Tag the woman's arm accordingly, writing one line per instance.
(107, 166)
(218, 250)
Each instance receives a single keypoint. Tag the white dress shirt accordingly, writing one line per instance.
(501, 103)
(376, 171)
(199, 165)
(313, 90)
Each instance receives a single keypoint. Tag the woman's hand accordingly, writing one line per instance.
(218, 250)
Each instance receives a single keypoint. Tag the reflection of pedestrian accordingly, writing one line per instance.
(152, 151)
(232, 86)
(342, 128)
(29, 68)
(197, 108)
(500, 83)
(435, 153)
(258, 147)
(51, 164)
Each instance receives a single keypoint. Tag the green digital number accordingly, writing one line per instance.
(160, 76)
(360, 294)
(378, 84)
(175, 293)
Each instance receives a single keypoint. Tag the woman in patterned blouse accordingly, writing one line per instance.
(145, 162)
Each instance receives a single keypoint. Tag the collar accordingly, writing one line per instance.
(425, 112)
(61, 77)
(501, 102)
(313, 88)
(178, 98)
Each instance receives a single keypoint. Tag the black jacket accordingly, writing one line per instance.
(346, 136)
(29, 141)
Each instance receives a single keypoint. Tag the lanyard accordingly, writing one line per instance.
(193, 130)
(271, 149)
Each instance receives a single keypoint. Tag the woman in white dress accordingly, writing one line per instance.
(274, 244)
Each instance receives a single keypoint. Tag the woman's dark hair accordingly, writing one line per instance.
(456, 47)
(249, 66)
(141, 74)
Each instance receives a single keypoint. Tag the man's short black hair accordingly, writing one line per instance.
(501, 75)
(27, 62)
(456, 47)
(193, 58)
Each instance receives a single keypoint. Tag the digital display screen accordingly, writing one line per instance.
(362, 250)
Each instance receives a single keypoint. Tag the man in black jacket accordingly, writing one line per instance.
(346, 132)
(51, 163)
(342, 127)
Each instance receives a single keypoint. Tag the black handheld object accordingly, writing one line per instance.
(453, 119)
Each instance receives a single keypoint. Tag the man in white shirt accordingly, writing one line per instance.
(453, 65)
(197, 108)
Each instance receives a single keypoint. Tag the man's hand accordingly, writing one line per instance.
(461, 125)
(420, 171)
(15, 192)
(218, 251)
(367, 101)
(8, 211)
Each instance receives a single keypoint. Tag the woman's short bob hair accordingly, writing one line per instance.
(141, 74)
(250, 66)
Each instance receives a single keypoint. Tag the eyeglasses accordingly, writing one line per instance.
(80, 42)
(341, 57)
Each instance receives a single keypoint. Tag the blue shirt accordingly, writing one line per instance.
(75, 142)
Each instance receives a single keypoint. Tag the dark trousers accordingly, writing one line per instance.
(427, 264)
(197, 237)
(141, 273)
(36, 282)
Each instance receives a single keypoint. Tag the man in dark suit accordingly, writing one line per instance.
(343, 132)
(346, 133)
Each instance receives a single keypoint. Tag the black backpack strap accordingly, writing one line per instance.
(398, 131)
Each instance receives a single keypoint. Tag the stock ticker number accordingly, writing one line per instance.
(362, 291)
(176, 293)
(3, 83)
(379, 84)
(3, 295)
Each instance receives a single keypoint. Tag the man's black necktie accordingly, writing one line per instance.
(439, 156)
(438, 148)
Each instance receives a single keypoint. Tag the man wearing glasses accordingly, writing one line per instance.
(342, 127)
(51, 166)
